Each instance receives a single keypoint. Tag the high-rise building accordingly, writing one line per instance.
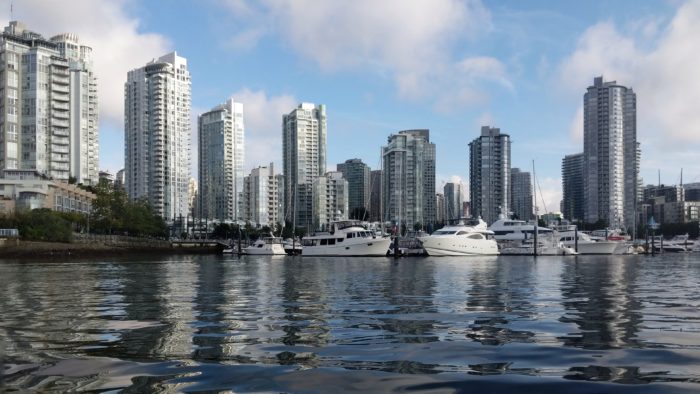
(262, 203)
(49, 96)
(157, 132)
(357, 174)
(375, 196)
(610, 154)
(408, 182)
(119, 179)
(489, 174)
(304, 159)
(440, 210)
(330, 200)
(192, 198)
(572, 187)
(221, 161)
(521, 194)
(453, 200)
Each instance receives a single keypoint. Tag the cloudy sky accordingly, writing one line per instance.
(384, 66)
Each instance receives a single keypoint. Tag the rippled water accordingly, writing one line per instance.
(270, 324)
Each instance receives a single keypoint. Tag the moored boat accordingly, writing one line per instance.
(266, 246)
(345, 238)
(463, 237)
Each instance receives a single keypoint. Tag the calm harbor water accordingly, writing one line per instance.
(292, 324)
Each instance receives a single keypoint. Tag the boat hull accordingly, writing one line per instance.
(365, 247)
(602, 247)
(269, 250)
(462, 247)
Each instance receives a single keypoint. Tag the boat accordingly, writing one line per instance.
(544, 248)
(266, 246)
(516, 230)
(345, 238)
(292, 247)
(587, 245)
(411, 245)
(462, 237)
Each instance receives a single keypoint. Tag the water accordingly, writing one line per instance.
(283, 324)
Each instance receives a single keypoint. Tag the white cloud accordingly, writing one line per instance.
(660, 63)
(118, 44)
(262, 115)
(410, 40)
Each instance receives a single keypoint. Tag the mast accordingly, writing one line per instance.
(536, 219)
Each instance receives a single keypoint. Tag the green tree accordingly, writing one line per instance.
(44, 225)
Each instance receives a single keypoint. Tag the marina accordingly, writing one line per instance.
(304, 324)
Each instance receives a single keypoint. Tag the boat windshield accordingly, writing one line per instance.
(444, 232)
(348, 223)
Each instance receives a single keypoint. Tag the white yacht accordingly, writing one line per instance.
(587, 245)
(464, 237)
(346, 238)
(267, 246)
(516, 230)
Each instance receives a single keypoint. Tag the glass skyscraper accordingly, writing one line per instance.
(221, 161)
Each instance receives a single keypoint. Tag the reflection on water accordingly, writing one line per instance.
(209, 323)
(598, 296)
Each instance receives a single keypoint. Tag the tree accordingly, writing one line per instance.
(44, 225)
(113, 213)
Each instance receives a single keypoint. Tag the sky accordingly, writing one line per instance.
(383, 66)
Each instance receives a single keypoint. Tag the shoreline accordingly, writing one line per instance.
(37, 249)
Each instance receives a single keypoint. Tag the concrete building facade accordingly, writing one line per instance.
(49, 100)
(330, 200)
(489, 174)
(262, 202)
(221, 162)
(357, 174)
(610, 154)
(157, 104)
(521, 194)
(304, 160)
(408, 181)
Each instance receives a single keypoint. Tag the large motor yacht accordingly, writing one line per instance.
(516, 230)
(586, 244)
(267, 246)
(463, 237)
(345, 238)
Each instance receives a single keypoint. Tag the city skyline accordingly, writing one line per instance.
(531, 88)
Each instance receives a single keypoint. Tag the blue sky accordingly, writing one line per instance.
(384, 66)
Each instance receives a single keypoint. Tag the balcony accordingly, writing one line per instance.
(59, 122)
(59, 88)
(58, 96)
(60, 79)
(58, 105)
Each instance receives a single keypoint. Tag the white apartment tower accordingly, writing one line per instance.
(304, 160)
(221, 161)
(610, 154)
(489, 174)
(48, 98)
(330, 200)
(408, 178)
(157, 132)
(262, 205)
